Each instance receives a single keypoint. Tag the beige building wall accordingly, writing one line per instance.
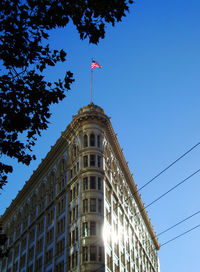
(80, 210)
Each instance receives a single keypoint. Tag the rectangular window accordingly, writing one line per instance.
(70, 217)
(92, 182)
(92, 139)
(70, 195)
(93, 205)
(85, 205)
(92, 228)
(98, 161)
(100, 256)
(92, 160)
(85, 161)
(93, 252)
(85, 140)
(99, 205)
(74, 192)
(76, 230)
(85, 229)
(85, 183)
(99, 183)
(98, 141)
(85, 254)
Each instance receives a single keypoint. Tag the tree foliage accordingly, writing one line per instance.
(25, 95)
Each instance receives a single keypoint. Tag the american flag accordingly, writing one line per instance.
(95, 64)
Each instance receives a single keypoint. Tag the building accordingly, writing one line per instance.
(80, 210)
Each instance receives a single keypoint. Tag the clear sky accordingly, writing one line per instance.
(150, 86)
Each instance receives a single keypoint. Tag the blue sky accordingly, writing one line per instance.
(149, 85)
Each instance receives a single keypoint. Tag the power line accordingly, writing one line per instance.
(182, 234)
(169, 166)
(185, 219)
(160, 173)
(174, 187)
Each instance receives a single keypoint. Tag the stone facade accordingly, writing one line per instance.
(80, 210)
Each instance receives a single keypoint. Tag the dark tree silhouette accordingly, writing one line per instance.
(25, 95)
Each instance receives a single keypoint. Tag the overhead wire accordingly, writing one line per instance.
(182, 234)
(180, 222)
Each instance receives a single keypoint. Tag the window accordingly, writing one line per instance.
(99, 205)
(76, 234)
(85, 254)
(50, 235)
(92, 228)
(93, 252)
(60, 267)
(40, 245)
(109, 261)
(15, 266)
(31, 253)
(74, 192)
(30, 268)
(49, 256)
(23, 243)
(70, 217)
(98, 161)
(77, 189)
(85, 183)
(85, 161)
(38, 263)
(61, 226)
(100, 255)
(85, 141)
(16, 251)
(60, 246)
(23, 260)
(92, 182)
(92, 160)
(61, 205)
(98, 141)
(85, 205)
(92, 139)
(92, 205)
(85, 229)
(50, 216)
(40, 226)
(99, 183)
(70, 195)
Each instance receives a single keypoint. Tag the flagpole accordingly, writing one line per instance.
(91, 83)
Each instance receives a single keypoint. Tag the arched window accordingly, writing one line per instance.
(92, 139)
(85, 141)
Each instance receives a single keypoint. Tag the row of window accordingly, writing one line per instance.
(92, 141)
(40, 225)
(91, 160)
(92, 205)
(73, 260)
(73, 214)
(92, 253)
(92, 183)
(89, 228)
(74, 192)
(73, 236)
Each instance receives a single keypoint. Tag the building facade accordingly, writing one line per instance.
(80, 210)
